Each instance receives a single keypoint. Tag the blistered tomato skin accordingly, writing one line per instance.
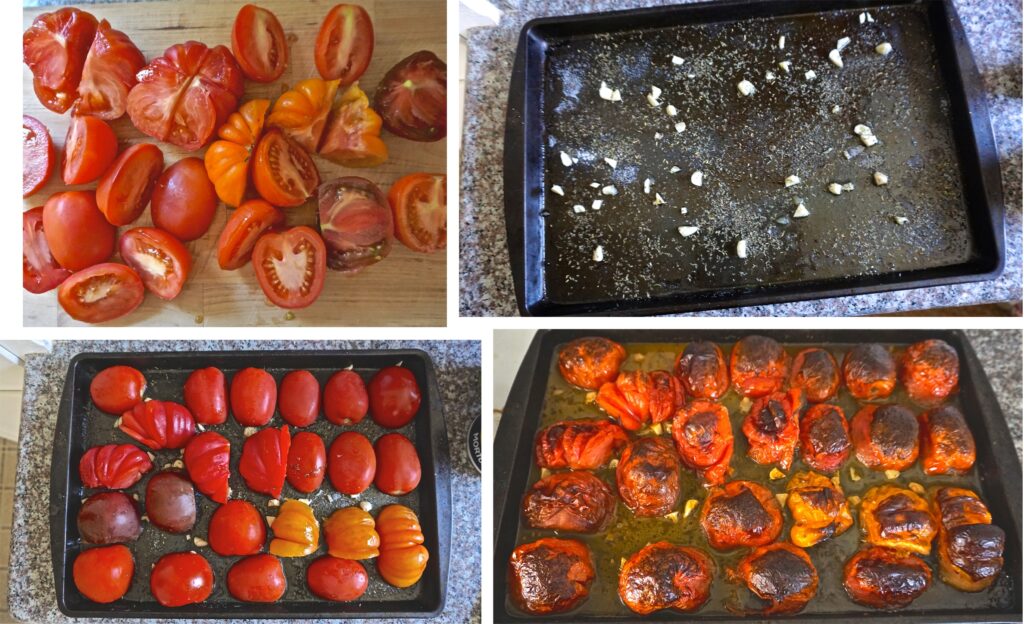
(206, 396)
(398, 465)
(352, 463)
(117, 389)
(345, 398)
(253, 397)
(340, 580)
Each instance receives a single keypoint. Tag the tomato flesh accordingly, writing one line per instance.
(101, 293)
(418, 203)
(184, 200)
(76, 232)
(413, 98)
(54, 48)
(356, 223)
(258, 42)
(89, 149)
(108, 74)
(290, 266)
(40, 272)
(126, 187)
(283, 172)
(344, 45)
(161, 260)
(243, 229)
(38, 155)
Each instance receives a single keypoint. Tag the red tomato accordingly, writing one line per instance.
(413, 98)
(237, 528)
(161, 261)
(344, 45)
(259, 44)
(184, 200)
(90, 147)
(207, 459)
(113, 466)
(101, 293)
(253, 396)
(76, 231)
(264, 460)
(40, 272)
(394, 397)
(290, 266)
(54, 48)
(181, 578)
(398, 465)
(206, 396)
(104, 574)
(258, 578)
(307, 462)
(345, 399)
(159, 424)
(351, 463)
(356, 223)
(282, 171)
(37, 155)
(125, 189)
(117, 389)
(108, 74)
(341, 580)
(299, 398)
(243, 229)
(418, 203)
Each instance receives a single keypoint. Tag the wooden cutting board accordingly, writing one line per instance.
(406, 288)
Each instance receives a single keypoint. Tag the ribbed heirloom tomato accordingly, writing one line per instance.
(159, 424)
(394, 397)
(257, 578)
(301, 113)
(104, 574)
(206, 396)
(307, 462)
(207, 459)
(237, 528)
(117, 389)
(40, 272)
(113, 466)
(126, 187)
(181, 578)
(353, 138)
(398, 465)
(161, 261)
(351, 463)
(228, 159)
(345, 398)
(253, 397)
(299, 398)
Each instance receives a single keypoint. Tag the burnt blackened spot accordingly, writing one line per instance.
(828, 435)
(658, 576)
(896, 582)
(818, 366)
(700, 363)
(949, 429)
(824, 499)
(743, 511)
(897, 517)
(778, 574)
(757, 353)
(546, 576)
(956, 509)
(700, 429)
(772, 418)
(871, 361)
(894, 431)
(977, 549)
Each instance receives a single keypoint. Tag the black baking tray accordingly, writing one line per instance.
(928, 100)
(998, 471)
(81, 425)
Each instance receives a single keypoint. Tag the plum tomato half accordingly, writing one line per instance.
(264, 460)
(257, 578)
(237, 528)
(307, 462)
(356, 222)
(253, 397)
(104, 574)
(37, 155)
(244, 227)
(40, 272)
(206, 396)
(394, 397)
(282, 171)
(184, 200)
(418, 204)
(298, 399)
(101, 293)
(398, 464)
(351, 463)
(291, 266)
(340, 580)
(413, 97)
(76, 231)
(258, 42)
(89, 148)
(55, 47)
(344, 45)
(345, 398)
(125, 189)
(171, 502)
(162, 262)
(207, 460)
(117, 389)
(181, 578)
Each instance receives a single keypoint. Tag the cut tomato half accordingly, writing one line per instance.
(243, 229)
(290, 266)
(283, 172)
(344, 45)
(38, 155)
(418, 202)
(161, 261)
(54, 48)
(259, 44)
(101, 293)
(90, 147)
(413, 98)
(126, 187)
(108, 74)
(40, 272)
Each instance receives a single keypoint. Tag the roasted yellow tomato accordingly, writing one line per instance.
(296, 531)
(351, 534)
(402, 555)
(818, 507)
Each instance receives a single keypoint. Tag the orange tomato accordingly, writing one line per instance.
(353, 135)
(402, 555)
(296, 531)
(302, 112)
(227, 160)
(351, 534)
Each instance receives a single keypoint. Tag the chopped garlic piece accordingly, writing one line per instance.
(835, 58)
(801, 211)
(658, 199)
(848, 186)
(598, 253)
(810, 75)
(658, 135)
(597, 204)
(671, 110)
(273, 503)
(892, 474)
(676, 60)
(365, 506)
(745, 87)
(881, 179)
(566, 159)
(647, 186)
(853, 474)
(861, 130)
(916, 487)
(248, 431)
(697, 178)
(741, 248)
(557, 190)
(595, 185)
(769, 76)
(612, 162)
(854, 500)
(616, 96)
(835, 189)
(656, 92)
(792, 180)
(842, 43)
(746, 404)
(781, 497)
(688, 230)
(578, 209)
(901, 220)
(868, 139)
(653, 101)
(604, 91)
(674, 516)
(610, 190)
(680, 126)
(883, 48)
(682, 210)
(836, 109)
(776, 474)
(866, 17)
(785, 65)
(656, 427)
(782, 42)
(200, 542)
(688, 508)
(590, 397)
(613, 463)
(674, 169)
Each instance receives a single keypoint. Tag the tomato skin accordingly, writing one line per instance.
(340, 580)
(413, 98)
(228, 159)
(206, 396)
(159, 424)
(108, 74)
(398, 465)
(257, 578)
(253, 397)
(344, 45)
(55, 47)
(89, 148)
(244, 227)
(351, 463)
(345, 398)
(296, 286)
(258, 64)
(307, 462)
(394, 397)
(207, 459)
(356, 223)
(264, 460)
(301, 112)
(145, 249)
(38, 155)
(124, 293)
(237, 528)
(40, 272)
(299, 398)
(104, 574)
(113, 466)
(181, 578)
(117, 389)
(419, 205)
(184, 200)
(78, 235)
(126, 187)
(295, 186)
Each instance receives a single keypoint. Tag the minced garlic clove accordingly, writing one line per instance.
(848, 186)
(658, 200)
(745, 87)
(880, 178)
(557, 190)
(671, 110)
(689, 507)
(610, 190)
(782, 497)
(674, 516)
(854, 500)
(801, 211)
(597, 204)
(674, 169)
(835, 189)
(892, 474)
(810, 74)
(785, 65)
(836, 59)
(792, 180)
(612, 162)
(200, 542)
(579, 209)
(842, 43)
(776, 474)
(598, 254)
(613, 463)
(688, 230)
(566, 159)
(697, 178)
(782, 42)
(677, 60)
(647, 186)
(605, 92)
(916, 487)
(741, 248)
(883, 48)
(853, 474)
(680, 127)
(901, 220)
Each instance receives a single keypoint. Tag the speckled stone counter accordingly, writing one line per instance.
(1000, 355)
(32, 596)
(485, 280)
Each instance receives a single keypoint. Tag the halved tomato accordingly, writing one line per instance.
(89, 149)
(227, 160)
(301, 113)
(161, 261)
(356, 223)
(290, 266)
(353, 136)
(243, 229)
(38, 155)
(108, 74)
(418, 204)
(54, 48)
(125, 189)
(413, 97)
(344, 45)
(40, 272)
(184, 200)
(283, 172)
(76, 232)
(259, 44)
(101, 293)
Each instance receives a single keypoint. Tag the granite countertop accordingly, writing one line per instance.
(485, 277)
(31, 591)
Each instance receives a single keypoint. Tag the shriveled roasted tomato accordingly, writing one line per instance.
(648, 477)
(590, 362)
(258, 578)
(244, 227)
(816, 374)
(181, 578)
(355, 221)
(781, 574)
(394, 397)
(104, 574)
(206, 396)
(184, 200)
(970, 547)
(340, 580)
(947, 445)
(38, 155)
(351, 534)
(930, 370)
(351, 463)
(290, 266)
(398, 465)
(702, 369)
(897, 518)
(575, 501)
(208, 462)
(117, 389)
(108, 74)
(253, 397)
(54, 48)
(258, 42)
(418, 204)
(758, 366)
(282, 171)
(126, 187)
(237, 528)
(159, 424)
(307, 462)
(885, 578)
(885, 437)
(40, 272)
(161, 261)
(345, 398)
(299, 399)
(665, 395)
(171, 502)
(818, 507)
(550, 575)
(76, 232)
(869, 371)
(301, 113)
(227, 160)
(627, 399)
(579, 444)
(402, 554)
(824, 437)
(740, 513)
(109, 518)
(772, 429)
(265, 459)
(344, 45)
(413, 97)
(665, 576)
(296, 531)
(703, 437)
(353, 135)
(113, 466)
(89, 148)
(101, 293)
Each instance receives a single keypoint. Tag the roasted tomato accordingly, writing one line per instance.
(301, 113)
(54, 48)
(885, 437)
(171, 502)
(184, 95)
(772, 429)
(184, 200)
(113, 466)
(282, 172)
(208, 462)
(159, 424)
(227, 159)
(413, 97)
(296, 531)
(352, 534)
(550, 575)
(40, 272)
(181, 578)
(648, 477)
(394, 397)
(307, 462)
(162, 262)
(340, 580)
(824, 437)
(665, 395)
(591, 362)
(206, 396)
(104, 574)
(947, 445)
(344, 44)
(264, 460)
(869, 372)
(109, 518)
(665, 576)
(76, 232)
(627, 399)
(758, 366)
(893, 517)
(245, 226)
(398, 465)
(353, 135)
(117, 389)
(101, 293)
(237, 528)
(291, 266)
(37, 155)
(126, 187)
(299, 399)
(258, 42)
(818, 507)
(970, 547)
(355, 221)
(930, 370)
(884, 578)
(89, 149)
(419, 207)
(402, 554)
(701, 368)
(257, 578)
(345, 398)
(703, 437)
(351, 463)
(574, 501)
(108, 74)
(816, 374)
(780, 574)
(579, 444)
(253, 397)
(740, 513)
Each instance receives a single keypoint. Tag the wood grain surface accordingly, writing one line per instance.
(406, 288)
